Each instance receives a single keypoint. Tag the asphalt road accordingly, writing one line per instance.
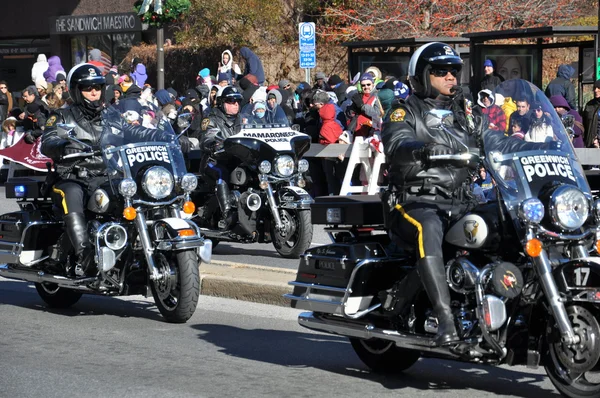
(113, 347)
(256, 254)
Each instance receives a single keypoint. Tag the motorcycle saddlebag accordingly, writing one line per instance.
(361, 210)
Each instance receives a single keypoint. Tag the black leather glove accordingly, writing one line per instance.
(55, 151)
(426, 152)
(357, 101)
(28, 138)
(186, 144)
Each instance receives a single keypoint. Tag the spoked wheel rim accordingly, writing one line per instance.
(288, 236)
(167, 288)
(577, 366)
(377, 346)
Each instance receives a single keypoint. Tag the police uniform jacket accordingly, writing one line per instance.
(222, 125)
(404, 132)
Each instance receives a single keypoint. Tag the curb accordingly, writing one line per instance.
(246, 282)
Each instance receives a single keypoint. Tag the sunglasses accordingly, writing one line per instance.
(233, 100)
(366, 85)
(96, 87)
(538, 110)
(443, 72)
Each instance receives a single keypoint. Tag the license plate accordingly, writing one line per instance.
(330, 265)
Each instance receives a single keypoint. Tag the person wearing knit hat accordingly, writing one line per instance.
(367, 106)
(338, 86)
(590, 115)
(223, 79)
(491, 78)
(284, 84)
(321, 81)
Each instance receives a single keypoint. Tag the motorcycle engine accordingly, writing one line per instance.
(461, 275)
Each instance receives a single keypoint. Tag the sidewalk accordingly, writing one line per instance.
(246, 282)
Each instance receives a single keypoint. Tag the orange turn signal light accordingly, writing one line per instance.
(189, 207)
(597, 246)
(186, 232)
(129, 213)
(533, 247)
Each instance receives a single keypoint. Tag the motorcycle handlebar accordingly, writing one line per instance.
(82, 155)
(459, 157)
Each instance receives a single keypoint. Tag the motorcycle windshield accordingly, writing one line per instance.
(529, 171)
(261, 115)
(131, 148)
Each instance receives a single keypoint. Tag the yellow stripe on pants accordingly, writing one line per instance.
(64, 202)
(417, 225)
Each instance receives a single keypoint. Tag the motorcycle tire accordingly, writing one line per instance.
(383, 356)
(177, 296)
(294, 246)
(573, 370)
(57, 297)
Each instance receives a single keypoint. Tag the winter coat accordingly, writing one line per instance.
(495, 114)
(139, 76)
(230, 68)
(490, 82)
(38, 69)
(330, 129)
(562, 85)
(54, 66)
(253, 65)
(578, 129)
(590, 121)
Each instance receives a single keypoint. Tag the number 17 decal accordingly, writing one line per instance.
(582, 275)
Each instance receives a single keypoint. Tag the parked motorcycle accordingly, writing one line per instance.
(266, 202)
(135, 224)
(522, 269)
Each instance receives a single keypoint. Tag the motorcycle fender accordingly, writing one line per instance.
(579, 279)
(294, 198)
(171, 239)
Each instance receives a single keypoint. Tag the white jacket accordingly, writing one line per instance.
(38, 69)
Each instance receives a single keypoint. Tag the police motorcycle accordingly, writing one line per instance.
(265, 198)
(135, 222)
(522, 269)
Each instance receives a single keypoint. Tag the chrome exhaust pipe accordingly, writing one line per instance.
(367, 331)
(40, 277)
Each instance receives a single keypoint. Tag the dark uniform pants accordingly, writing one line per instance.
(421, 225)
(69, 195)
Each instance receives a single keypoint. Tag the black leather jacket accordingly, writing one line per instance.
(226, 126)
(404, 132)
(87, 130)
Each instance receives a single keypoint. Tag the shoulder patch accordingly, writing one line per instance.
(51, 121)
(398, 115)
(205, 123)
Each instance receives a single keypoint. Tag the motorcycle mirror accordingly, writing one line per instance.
(296, 127)
(184, 120)
(437, 118)
(65, 130)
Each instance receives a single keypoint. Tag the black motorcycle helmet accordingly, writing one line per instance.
(229, 94)
(85, 75)
(423, 60)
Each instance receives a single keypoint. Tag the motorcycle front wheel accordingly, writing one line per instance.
(296, 235)
(57, 297)
(574, 370)
(176, 293)
(383, 356)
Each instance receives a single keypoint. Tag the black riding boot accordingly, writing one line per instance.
(224, 198)
(433, 277)
(76, 226)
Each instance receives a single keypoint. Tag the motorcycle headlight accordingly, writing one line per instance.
(157, 182)
(532, 210)
(597, 210)
(127, 187)
(189, 182)
(284, 166)
(265, 167)
(569, 207)
(303, 166)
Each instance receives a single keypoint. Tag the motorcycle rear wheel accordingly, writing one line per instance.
(176, 296)
(57, 297)
(300, 232)
(383, 356)
(579, 377)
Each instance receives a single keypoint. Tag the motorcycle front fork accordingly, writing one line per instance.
(273, 207)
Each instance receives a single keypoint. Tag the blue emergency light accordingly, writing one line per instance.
(20, 191)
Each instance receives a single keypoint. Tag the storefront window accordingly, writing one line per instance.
(103, 50)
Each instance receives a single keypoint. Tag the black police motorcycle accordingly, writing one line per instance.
(522, 268)
(265, 201)
(135, 223)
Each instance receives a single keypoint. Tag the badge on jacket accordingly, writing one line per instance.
(51, 121)
(398, 115)
(205, 123)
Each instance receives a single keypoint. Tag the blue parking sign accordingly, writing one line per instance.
(308, 59)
